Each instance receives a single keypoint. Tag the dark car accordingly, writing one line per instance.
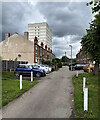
(73, 64)
(25, 70)
(76, 67)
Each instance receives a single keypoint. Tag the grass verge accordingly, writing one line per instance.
(11, 88)
(92, 85)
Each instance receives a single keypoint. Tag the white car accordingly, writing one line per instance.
(49, 68)
(43, 67)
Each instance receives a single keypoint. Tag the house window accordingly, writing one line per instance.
(35, 47)
(36, 59)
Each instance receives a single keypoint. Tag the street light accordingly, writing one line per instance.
(71, 56)
(65, 57)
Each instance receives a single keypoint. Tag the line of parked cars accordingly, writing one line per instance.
(85, 67)
(38, 70)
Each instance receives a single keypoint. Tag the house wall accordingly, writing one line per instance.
(17, 47)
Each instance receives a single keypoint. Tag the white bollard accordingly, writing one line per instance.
(84, 80)
(85, 99)
(77, 74)
(20, 82)
(89, 70)
(31, 76)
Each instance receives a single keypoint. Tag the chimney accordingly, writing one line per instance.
(35, 40)
(42, 44)
(7, 35)
(45, 47)
(26, 35)
(48, 49)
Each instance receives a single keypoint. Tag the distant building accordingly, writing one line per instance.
(43, 33)
(81, 57)
(17, 47)
(41, 52)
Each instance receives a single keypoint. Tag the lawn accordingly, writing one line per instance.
(92, 85)
(11, 89)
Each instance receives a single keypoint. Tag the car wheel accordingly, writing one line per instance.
(38, 74)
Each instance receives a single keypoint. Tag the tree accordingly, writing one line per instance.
(90, 42)
(64, 59)
(74, 60)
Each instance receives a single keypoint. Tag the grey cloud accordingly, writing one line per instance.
(68, 21)
(17, 15)
(66, 18)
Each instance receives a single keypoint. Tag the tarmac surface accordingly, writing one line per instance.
(52, 97)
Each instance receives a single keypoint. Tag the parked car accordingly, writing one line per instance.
(25, 70)
(88, 67)
(76, 67)
(48, 67)
(43, 67)
(73, 64)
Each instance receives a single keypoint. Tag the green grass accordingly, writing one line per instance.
(10, 88)
(8, 75)
(92, 85)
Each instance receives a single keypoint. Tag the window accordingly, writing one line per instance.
(36, 59)
(35, 47)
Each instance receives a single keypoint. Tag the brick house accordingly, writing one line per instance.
(41, 52)
(81, 57)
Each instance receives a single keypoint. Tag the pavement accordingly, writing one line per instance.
(52, 97)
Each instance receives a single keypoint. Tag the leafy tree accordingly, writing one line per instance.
(90, 42)
(64, 59)
(74, 60)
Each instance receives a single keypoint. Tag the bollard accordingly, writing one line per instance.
(84, 80)
(89, 70)
(85, 99)
(20, 82)
(77, 74)
(31, 76)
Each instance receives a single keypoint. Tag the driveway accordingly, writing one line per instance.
(52, 97)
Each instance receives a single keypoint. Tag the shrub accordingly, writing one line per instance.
(59, 65)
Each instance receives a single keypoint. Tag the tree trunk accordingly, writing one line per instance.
(96, 69)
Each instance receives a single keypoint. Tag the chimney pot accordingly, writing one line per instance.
(7, 35)
(26, 35)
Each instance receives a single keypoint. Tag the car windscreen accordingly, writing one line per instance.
(21, 66)
(35, 66)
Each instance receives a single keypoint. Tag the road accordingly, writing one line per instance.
(52, 97)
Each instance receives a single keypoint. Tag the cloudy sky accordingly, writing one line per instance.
(68, 21)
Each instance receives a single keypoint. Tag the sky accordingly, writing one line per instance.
(68, 21)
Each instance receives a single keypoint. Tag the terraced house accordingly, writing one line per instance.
(19, 48)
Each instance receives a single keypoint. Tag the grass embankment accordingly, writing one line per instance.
(11, 88)
(92, 85)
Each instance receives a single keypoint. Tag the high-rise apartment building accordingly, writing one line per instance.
(43, 32)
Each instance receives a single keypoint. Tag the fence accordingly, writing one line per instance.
(11, 65)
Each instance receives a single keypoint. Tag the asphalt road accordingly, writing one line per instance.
(52, 97)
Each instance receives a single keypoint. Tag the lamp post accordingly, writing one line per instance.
(65, 57)
(71, 56)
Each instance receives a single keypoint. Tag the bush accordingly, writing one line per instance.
(59, 65)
